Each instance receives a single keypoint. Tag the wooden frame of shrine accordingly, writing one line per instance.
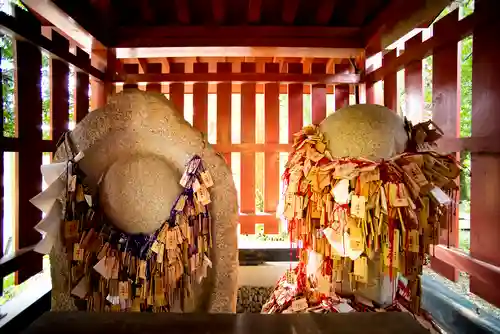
(275, 48)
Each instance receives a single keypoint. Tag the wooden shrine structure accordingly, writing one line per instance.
(269, 47)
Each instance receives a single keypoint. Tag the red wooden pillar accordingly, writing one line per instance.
(177, 89)
(247, 204)
(295, 103)
(446, 114)
(224, 110)
(390, 83)
(29, 119)
(414, 83)
(59, 94)
(200, 100)
(318, 95)
(81, 88)
(485, 187)
(341, 91)
(272, 128)
(153, 68)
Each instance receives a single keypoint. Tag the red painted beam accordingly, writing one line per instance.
(182, 11)
(290, 8)
(253, 14)
(325, 11)
(461, 29)
(248, 36)
(397, 19)
(315, 78)
(219, 11)
(481, 270)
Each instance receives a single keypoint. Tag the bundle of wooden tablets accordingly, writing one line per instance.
(363, 226)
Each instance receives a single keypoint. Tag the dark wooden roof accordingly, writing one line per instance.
(333, 13)
(293, 23)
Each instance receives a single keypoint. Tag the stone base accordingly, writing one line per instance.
(252, 298)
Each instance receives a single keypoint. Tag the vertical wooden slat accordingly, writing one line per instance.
(81, 89)
(485, 185)
(272, 128)
(446, 114)
(112, 66)
(59, 94)
(414, 84)
(130, 69)
(29, 118)
(200, 100)
(177, 89)
(224, 109)
(341, 91)
(247, 203)
(370, 92)
(153, 68)
(295, 103)
(98, 94)
(318, 95)
(390, 83)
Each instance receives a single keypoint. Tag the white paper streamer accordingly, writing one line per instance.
(46, 199)
(51, 223)
(48, 202)
(45, 245)
(52, 172)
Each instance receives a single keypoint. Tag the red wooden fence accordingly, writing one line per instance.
(483, 263)
(249, 147)
(28, 143)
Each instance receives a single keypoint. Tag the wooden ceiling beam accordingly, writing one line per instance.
(219, 11)
(244, 36)
(397, 19)
(290, 11)
(253, 14)
(325, 11)
(340, 78)
(72, 27)
(147, 13)
(183, 15)
(176, 52)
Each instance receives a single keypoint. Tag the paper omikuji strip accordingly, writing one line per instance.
(364, 227)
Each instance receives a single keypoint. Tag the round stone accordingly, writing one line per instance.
(138, 191)
(364, 131)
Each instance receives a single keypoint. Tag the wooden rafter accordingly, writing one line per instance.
(325, 11)
(219, 11)
(147, 13)
(290, 8)
(397, 19)
(60, 19)
(253, 15)
(183, 15)
(143, 63)
(166, 65)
